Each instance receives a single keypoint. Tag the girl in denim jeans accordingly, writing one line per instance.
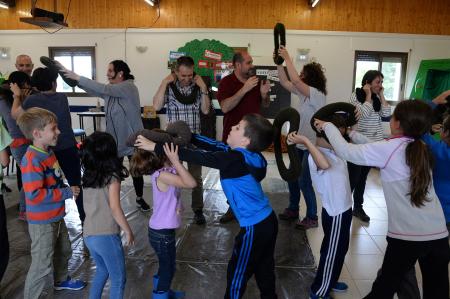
(168, 176)
(103, 172)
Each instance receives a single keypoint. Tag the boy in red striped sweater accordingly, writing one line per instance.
(45, 193)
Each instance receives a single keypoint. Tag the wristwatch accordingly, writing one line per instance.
(204, 92)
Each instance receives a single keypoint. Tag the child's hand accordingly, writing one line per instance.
(319, 124)
(130, 238)
(283, 52)
(171, 152)
(293, 137)
(15, 89)
(436, 128)
(75, 191)
(145, 144)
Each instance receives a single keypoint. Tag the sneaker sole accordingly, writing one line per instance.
(339, 291)
(70, 289)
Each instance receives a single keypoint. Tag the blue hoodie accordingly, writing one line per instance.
(441, 173)
(241, 173)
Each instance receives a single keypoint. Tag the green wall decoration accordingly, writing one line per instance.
(433, 77)
(196, 49)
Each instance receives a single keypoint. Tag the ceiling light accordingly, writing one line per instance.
(152, 2)
(313, 3)
(7, 4)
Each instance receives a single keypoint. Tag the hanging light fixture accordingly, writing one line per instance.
(6, 4)
(152, 2)
(313, 3)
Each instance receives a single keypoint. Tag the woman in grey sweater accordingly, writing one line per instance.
(122, 109)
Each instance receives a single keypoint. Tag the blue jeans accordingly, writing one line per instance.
(304, 185)
(109, 259)
(18, 154)
(163, 242)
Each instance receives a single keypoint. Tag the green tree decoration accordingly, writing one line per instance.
(196, 49)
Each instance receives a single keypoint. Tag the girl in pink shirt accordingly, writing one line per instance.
(168, 176)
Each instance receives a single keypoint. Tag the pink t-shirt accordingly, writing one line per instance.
(167, 207)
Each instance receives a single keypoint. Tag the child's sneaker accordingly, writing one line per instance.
(288, 215)
(307, 223)
(70, 284)
(340, 287)
(142, 204)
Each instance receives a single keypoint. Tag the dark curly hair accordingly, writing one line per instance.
(100, 161)
(145, 163)
(314, 76)
(21, 79)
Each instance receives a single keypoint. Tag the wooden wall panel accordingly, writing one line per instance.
(401, 16)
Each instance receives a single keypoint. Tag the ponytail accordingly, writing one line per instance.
(420, 160)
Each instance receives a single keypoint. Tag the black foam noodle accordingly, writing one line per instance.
(326, 112)
(51, 64)
(293, 117)
(279, 35)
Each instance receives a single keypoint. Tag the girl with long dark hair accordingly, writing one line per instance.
(103, 172)
(416, 222)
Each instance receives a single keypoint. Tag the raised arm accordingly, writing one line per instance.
(284, 81)
(216, 160)
(316, 154)
(227, 104)
(439, 148)
(183, 179)
(16, 109)
(159, 98)
(205, 102)
(298, 84)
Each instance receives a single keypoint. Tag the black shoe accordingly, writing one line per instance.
(55, 66)
(227, 217)
(142, 204)
(6, 188)
(361, 215)
(199, 218)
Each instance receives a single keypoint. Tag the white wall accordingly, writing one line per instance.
(334, 50)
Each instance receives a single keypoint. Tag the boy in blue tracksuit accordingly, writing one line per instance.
(242, 167)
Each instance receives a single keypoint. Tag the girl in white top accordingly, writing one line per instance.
(330, 178)
(416, 223)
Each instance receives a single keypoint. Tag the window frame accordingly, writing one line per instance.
(404, 56)
(54, 50)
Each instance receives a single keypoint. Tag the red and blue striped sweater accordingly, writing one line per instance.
(43, 185)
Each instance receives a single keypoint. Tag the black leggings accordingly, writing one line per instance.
(138, 182)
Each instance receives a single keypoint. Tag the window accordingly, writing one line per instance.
(391, 64)
(81, 60)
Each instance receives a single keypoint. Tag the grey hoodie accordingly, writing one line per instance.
(122, 109)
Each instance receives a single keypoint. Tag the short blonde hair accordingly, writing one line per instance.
(35, 118)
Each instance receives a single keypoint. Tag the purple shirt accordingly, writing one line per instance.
(167, 207)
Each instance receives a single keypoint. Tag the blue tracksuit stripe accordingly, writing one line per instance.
(244, 255)
(246, 261)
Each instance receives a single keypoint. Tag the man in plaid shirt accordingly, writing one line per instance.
(184, 95)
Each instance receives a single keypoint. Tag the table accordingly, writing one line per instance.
(94, 116)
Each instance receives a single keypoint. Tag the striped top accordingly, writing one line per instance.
(43, 185)
(370, 122)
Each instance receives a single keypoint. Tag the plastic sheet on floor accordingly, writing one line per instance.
(202, 253)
